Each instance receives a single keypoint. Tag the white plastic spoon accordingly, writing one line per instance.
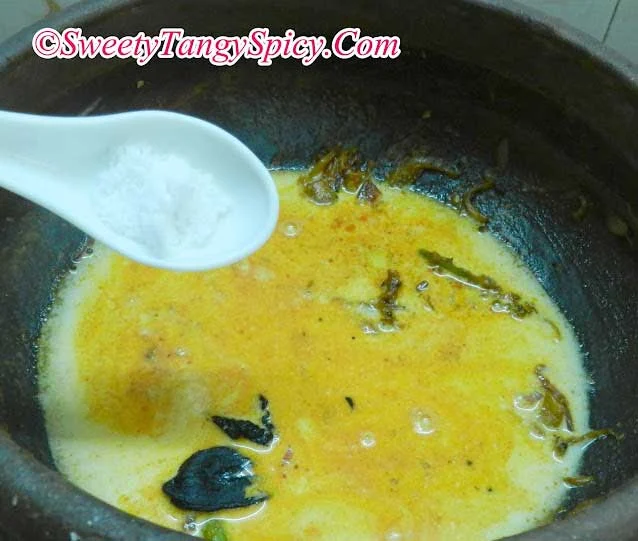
(57, 161)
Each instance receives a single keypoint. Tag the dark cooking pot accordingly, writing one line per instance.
(486, 71)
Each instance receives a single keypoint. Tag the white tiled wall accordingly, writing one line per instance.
(591, 16)
(16, 14)
(623, 32)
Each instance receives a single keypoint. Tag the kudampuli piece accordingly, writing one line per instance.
(241, 429)
(213, 479)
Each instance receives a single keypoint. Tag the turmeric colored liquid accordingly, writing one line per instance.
(136, 360)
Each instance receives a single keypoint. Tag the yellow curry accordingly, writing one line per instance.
(420, 426)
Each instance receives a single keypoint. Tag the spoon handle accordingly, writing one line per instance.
(41, 160)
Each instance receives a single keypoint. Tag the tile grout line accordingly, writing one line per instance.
(611, 20)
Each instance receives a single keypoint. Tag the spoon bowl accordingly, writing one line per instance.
(56, 162)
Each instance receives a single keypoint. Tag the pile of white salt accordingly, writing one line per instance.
(159, 201)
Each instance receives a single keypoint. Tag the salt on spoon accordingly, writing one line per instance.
(165, 189)
(159, 201)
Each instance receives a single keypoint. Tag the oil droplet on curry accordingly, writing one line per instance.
(417, 428)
